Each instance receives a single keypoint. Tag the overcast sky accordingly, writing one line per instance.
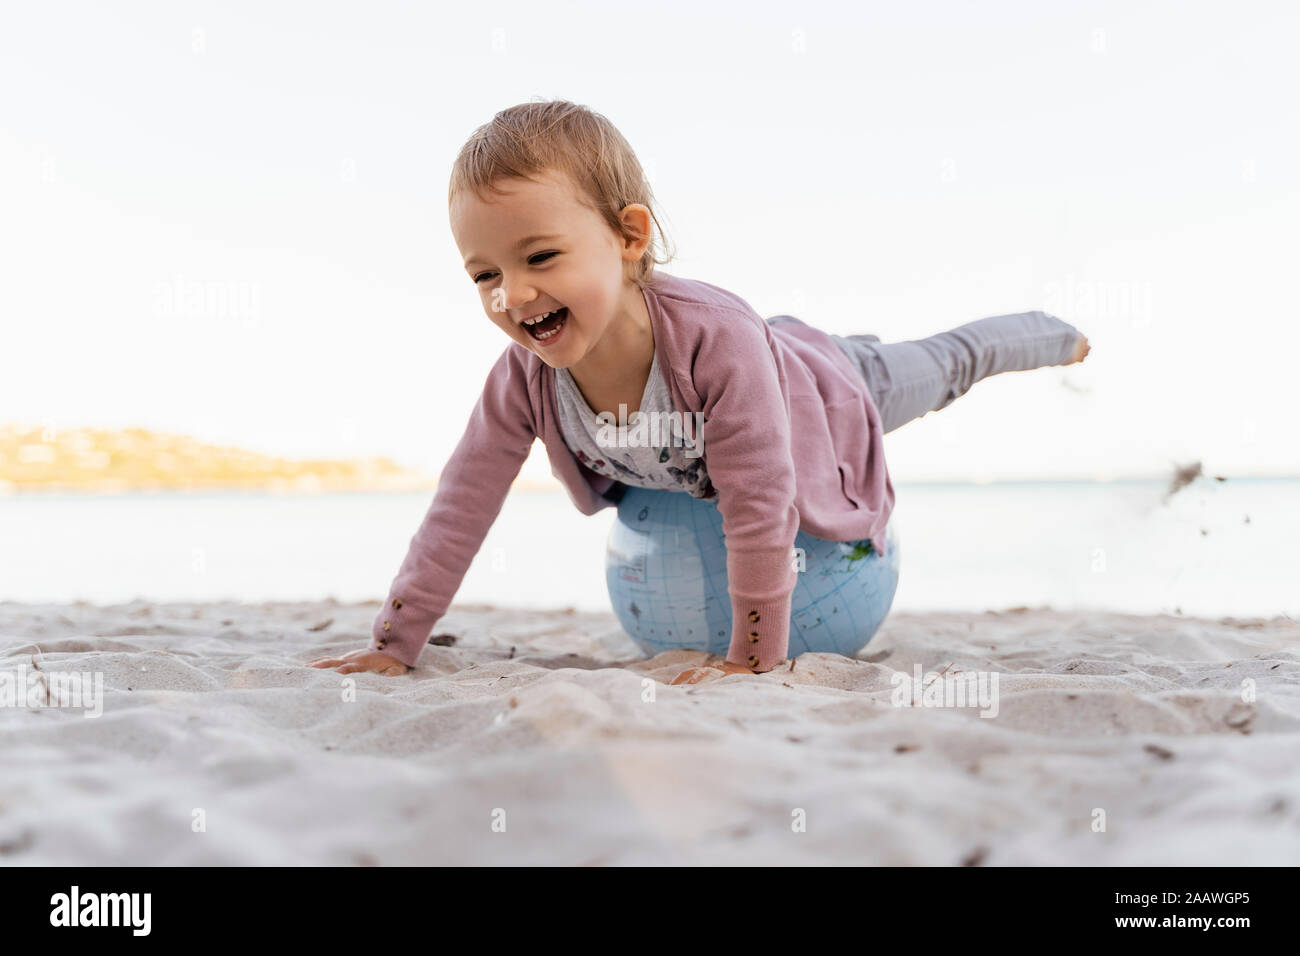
(229, 219)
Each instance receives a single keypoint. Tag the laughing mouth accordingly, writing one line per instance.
(543, 327)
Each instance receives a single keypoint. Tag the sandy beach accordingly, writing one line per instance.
(534, 738)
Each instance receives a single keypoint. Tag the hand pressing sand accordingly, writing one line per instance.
(363, 659)
(713, 670)
(378, 662)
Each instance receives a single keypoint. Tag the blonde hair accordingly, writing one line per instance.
(556, 135)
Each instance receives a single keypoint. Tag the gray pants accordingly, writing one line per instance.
(909, 379)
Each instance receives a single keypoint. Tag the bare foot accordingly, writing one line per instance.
(1080, 350)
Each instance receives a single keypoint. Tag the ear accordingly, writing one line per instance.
(636, 222)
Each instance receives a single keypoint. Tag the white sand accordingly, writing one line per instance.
(209, 706)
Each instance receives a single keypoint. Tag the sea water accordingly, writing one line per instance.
(1212, 548)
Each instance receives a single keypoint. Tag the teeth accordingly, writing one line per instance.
(540, 318)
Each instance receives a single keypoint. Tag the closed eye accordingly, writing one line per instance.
(540, 257)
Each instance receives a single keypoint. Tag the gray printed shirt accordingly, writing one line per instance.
(657, 452)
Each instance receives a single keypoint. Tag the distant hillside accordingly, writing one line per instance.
(87, 459)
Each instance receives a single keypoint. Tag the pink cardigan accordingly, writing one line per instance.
(791, 439)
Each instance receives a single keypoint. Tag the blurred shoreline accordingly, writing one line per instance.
(1211, 548)
(312, 485)
(135, 460)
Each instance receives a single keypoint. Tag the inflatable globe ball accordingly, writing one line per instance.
(666, 568)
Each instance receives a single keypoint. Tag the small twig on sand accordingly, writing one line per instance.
(40, 675)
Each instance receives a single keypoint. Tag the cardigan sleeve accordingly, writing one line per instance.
(746, 434)
(471, 490)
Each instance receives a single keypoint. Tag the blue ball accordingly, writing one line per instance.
(666, 568)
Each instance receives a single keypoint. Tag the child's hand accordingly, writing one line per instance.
(693, 675)
(363, 660)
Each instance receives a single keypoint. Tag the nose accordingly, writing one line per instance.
(508, 298)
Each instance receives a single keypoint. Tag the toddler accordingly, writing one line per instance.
(779, 422)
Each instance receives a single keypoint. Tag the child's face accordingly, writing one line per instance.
(579, 268)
